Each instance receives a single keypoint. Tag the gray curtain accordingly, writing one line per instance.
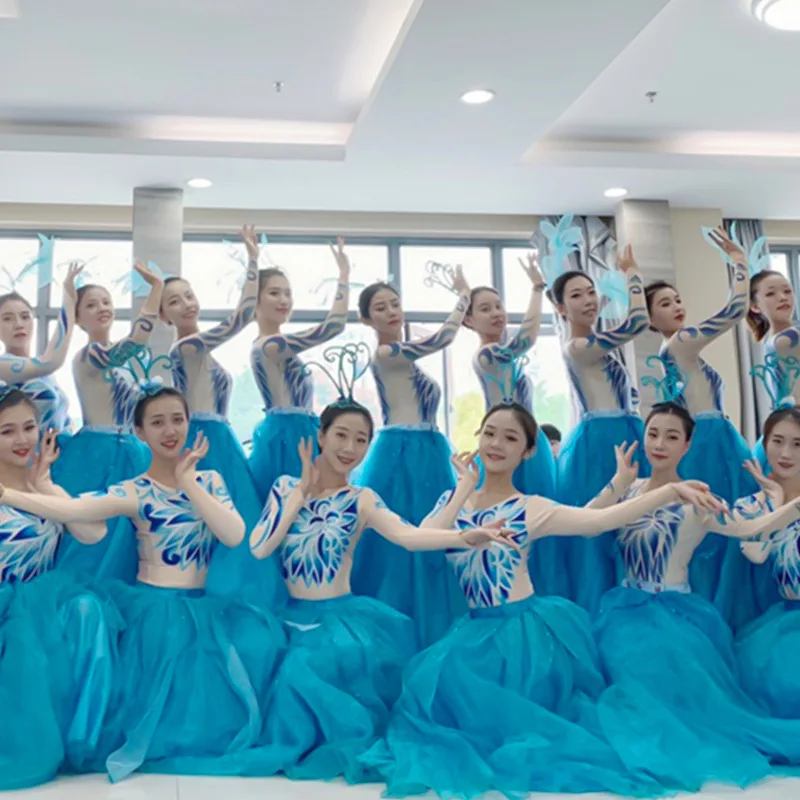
(597, 254)
(755, 402)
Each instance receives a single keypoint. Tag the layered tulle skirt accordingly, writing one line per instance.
(90, 461)
(275, 441)
(409, 468)
(234, 572)
(586, 464)
(768, 650)
(718, 570)
(506, 701)
(193, 673)
(332, 696)
(694, 723)
(57, 663)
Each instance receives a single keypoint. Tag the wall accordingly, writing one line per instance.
(702, 280)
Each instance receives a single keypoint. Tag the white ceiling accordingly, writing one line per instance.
(105, 96)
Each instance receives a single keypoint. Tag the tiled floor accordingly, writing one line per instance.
(165, 787)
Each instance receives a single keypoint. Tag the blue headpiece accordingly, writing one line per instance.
(134, 283)
(778, 374)
(440, 275)
(138, 361)
(504, 371)
(351, 361)
(41, 263)
(562, 240)
(758, 257)
(232, 280)
(613, 287)
(669, 388)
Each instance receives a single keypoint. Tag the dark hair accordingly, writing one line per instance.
(365, 298)
(521, 415)
(791, 412)
(265, 274)
(673, 410)
(759, 324)
(555, 294)
(7, 298)
(81, 293)
(146, 399)
(335, 410)
(552, 433)
(15, 397)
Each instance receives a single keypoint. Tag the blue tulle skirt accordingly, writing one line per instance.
(91, 461)
(57, 662)
(409, 468)
(193, 672)
(504, 702)
(768, 651)
(674, 652)
(234, 572)
(275, 442)
(586, 464)
(718, 570)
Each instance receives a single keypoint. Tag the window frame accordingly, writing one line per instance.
(792, 253)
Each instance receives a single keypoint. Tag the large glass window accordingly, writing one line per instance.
(215, 270)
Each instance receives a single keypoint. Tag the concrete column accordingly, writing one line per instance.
(158, 237)
(646, 225)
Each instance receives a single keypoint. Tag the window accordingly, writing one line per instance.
(215, 271)
(15, 255)
(214, 268)
(786, 260)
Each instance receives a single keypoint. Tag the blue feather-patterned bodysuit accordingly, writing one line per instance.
(408, 465)
(27, 545)
(494, 574)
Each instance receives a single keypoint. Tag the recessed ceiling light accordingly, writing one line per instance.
(616, 191)
(199, 183)
(477, 96)
(782, 14)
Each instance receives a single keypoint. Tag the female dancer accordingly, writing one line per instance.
(718, 451)
(537, 475)
(282, 378)
(206, 385)
(105, 451)
(341, 675)
(506, 700)
(770, 318)
(768, 646)
(192, 666)
(671, 648)
(34, 376)
(409, 464)
(605, 401)
(57, 637)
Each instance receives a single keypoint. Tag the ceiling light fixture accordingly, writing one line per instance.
(616, 191)
(199, 183)
(781, 14)
(476, 97)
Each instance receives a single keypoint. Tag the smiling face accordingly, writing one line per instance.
(179, 306)
(385, 313)
(16, 326)
(164, 427)
(665, 442)
(774, 298)
(95, 311)
(667, 313)
(274, 301)
(580, 305)
(344, 443)
(19, 435)
(487, 314)
(502, 443)
(782, 446)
